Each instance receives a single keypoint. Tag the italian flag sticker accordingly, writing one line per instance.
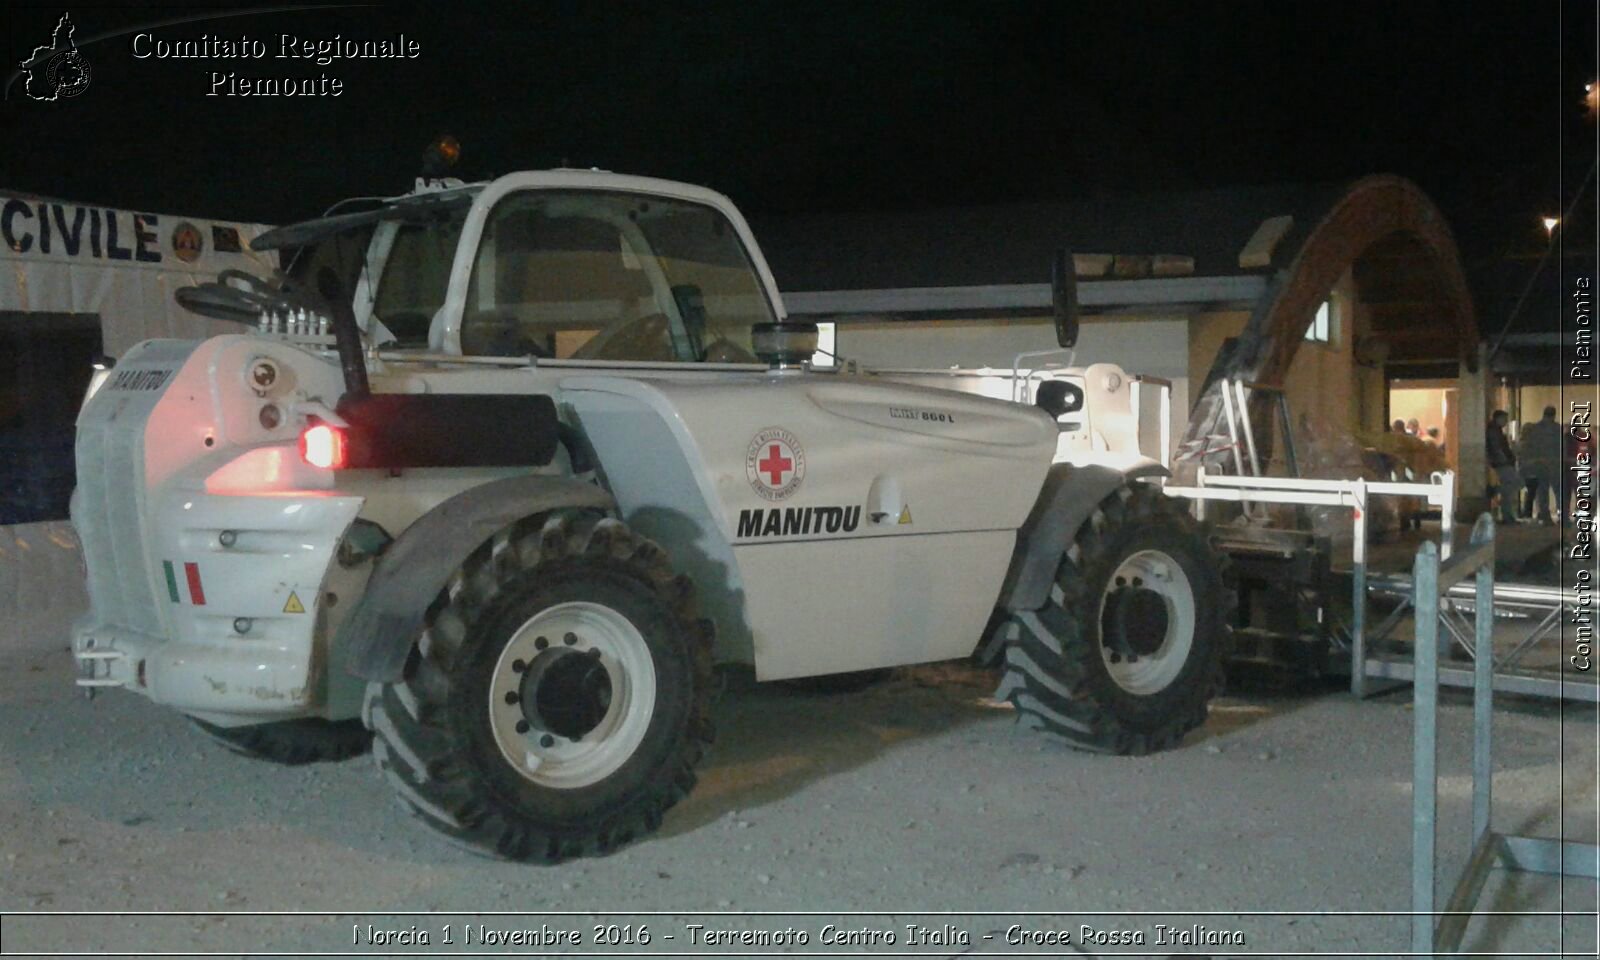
(191, 576)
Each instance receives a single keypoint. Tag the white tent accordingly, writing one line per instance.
(121, 265)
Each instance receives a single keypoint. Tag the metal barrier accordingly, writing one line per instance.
(1489, 849)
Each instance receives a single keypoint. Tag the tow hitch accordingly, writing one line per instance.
(94, 669)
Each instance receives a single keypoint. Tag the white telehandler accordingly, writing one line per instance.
(491, 461)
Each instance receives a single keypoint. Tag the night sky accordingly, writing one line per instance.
(799, 107)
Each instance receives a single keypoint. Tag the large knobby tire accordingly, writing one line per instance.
(1128, 652)
(557, 701)
(293, 742)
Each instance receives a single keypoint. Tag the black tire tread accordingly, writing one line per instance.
(1047, 660)
(423, 763)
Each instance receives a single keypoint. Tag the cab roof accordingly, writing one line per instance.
(433, 197)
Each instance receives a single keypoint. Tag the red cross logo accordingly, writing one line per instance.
(775, 465)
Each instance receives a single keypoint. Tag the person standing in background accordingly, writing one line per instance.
(1540, 461)
(1503, 461)
(1525, 495)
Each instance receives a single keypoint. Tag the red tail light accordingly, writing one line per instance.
(324, 446)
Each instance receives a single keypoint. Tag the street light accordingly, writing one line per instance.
(1550, 224)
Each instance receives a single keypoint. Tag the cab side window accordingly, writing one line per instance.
(549, 276)
(416, 275)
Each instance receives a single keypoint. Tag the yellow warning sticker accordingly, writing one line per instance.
(293, 604)
(905, 514)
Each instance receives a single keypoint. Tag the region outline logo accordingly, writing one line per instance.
(57, 70)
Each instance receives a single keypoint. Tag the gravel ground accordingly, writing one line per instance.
(918, 795)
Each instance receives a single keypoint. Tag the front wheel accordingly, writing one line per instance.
(557, 702)
(1128, 653)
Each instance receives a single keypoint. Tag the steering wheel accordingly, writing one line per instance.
(630, 338)
(242, 297)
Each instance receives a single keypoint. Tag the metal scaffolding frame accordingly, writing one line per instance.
(1509, 600)
(1535, 603)
(1489, 849)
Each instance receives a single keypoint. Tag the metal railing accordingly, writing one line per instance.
(1353, 495)
(1430, 581)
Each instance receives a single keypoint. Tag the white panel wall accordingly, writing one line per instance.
(1159, 347)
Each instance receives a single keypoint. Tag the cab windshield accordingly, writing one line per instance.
(609, 275)
(578, 274)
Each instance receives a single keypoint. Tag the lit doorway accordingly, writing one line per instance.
(1435, 406)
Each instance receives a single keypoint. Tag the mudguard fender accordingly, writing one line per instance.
(377, 637)
(1067, 500)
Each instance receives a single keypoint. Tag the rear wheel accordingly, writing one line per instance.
(293, 742)
(1128, 653)
(556, 704)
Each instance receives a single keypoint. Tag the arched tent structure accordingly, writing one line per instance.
(1388, 240)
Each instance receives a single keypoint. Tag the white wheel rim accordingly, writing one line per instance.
(1158, 573)
(537, 752)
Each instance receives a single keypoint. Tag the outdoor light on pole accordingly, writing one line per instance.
(1550, 224)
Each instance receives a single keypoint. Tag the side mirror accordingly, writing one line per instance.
(1064, 298)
